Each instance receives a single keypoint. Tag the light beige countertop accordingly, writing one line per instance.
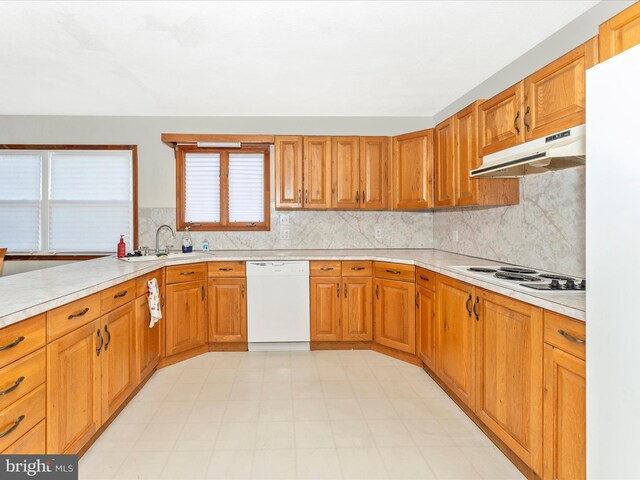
(27, 294)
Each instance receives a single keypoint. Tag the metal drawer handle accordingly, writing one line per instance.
(475, 311)
(422, 277)
(12, 387)
(325, 269)
(106, 330)
(101, 344)
(187, 273)
(12, 344)
(357, 269)
(120, 294)
(526, 124)
(13, 427)
(79, 314)
(515, 122)
(394, 272)
(227, 269)
(570, 337)
(467, 305)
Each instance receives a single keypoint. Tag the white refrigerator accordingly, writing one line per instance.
(613, 267)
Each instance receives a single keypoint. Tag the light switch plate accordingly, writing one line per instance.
(284, 234)
(284, 219)
(378, 232)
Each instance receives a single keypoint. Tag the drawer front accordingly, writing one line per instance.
(357, 268)
(67, 318)
(21, 338)
(395, 271)
(141, 282)
(226, 269)
(22, 376)
(325, 268)
(186, 273)
(21, 416)
(425, 278)
(31, 443)
(115, 297)
(565, 333)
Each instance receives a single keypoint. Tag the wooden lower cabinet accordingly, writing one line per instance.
(508, 392)
(74, 389)
(564, 415)
(325, 309)
(32, 442)
(227, 310)
(455, 334)
(148, 340)
(426, 326)
(185, 324)
(395, 318)
(357, 309)
(119, 377)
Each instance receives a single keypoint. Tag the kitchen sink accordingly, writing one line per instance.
(150, 258)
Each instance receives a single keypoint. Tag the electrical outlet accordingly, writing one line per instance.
(284, 219)
(378, 232)
(284, 234)
(454, 234)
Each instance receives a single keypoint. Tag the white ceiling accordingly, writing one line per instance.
(261, 58)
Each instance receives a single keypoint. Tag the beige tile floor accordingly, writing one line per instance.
(281, 415)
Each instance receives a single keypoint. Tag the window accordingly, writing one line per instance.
(223, 189)
(67, 199)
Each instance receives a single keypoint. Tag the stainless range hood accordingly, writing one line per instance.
(561, 150)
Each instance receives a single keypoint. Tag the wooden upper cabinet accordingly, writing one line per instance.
(357, 308)
(317, 172)
(374, 173)
(345, 168)
(426, 326)
(501, 124)
(443, 145)
(564, 416)
(509, 380)
(325, 309)
(119, 376)
(554, 98)
(227, 310)
(288, 171)
(620, 33)
(394, 313)
(74, 389)
(185, 317)
(455, 334)
(412, 171)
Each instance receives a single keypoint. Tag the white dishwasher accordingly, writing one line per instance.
(278, 305)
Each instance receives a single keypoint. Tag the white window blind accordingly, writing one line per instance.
(90, 201)
(202, 188)
(246, 187)
(20, 200)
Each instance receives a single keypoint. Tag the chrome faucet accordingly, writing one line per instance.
(158, 236)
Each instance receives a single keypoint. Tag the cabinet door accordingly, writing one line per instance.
(413, 171)
(357, 308)
(444, 163)
(564, 416)
(374, 173)
(227, 310)
(620, 33)
(455, 334)
(325, 309)
(317, 172)
(555, 95)
(501, 124)
(185, 323)
(119, 358)
(148, 346)
(426, 326)
(509, 341)
(395, 317)
(73, 389)
(345, 152)
(466, 155)
(288, 166)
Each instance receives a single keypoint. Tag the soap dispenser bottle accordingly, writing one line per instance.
(187, 243)
(122, 248)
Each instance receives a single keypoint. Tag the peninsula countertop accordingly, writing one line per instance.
(27, 294)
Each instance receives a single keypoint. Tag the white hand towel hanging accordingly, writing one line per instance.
(154, 302)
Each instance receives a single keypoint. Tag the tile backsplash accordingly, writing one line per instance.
(307, 230)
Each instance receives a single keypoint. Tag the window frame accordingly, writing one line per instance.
(224, 224)
(42, 149)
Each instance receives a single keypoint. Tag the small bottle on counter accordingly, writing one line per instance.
(122, 248)
(187, 243)
(205, 245)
